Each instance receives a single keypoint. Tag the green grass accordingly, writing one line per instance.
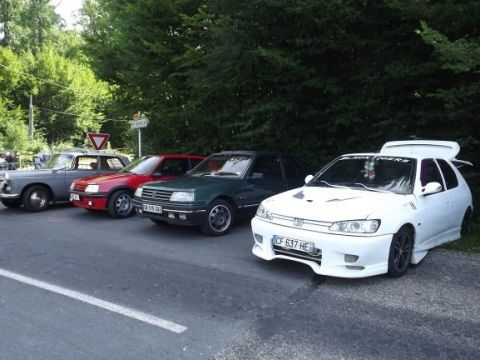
(470, 243)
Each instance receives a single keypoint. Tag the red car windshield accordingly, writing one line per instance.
(143, 166)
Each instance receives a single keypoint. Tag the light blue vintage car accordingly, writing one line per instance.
(36, 189)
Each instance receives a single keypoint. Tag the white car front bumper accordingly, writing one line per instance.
(372, 251)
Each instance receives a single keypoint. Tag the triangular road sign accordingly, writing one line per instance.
(98, 140)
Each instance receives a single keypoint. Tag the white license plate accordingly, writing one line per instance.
(152, 208)
(74, 197)
(292, 244)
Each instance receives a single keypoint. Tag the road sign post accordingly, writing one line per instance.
(139, 122)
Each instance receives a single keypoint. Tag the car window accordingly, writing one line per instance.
(111, 163)
(194, 162)
(366, 172)
(224, 165)
(292, 168)
(173, 167)
(429, 172)
(86, 163)
(268, 166)
(450, 177)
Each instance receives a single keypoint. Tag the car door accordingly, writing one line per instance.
(457, 201)
(264, 179)
(433, 210)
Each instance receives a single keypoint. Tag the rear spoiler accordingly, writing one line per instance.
(461, 163)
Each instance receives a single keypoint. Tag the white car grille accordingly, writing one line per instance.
(299, 223)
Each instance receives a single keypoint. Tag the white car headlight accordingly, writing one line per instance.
(72, 185)
(182, 196)
(356, 226)
(263, 212)
(139, 192)
(92, 188)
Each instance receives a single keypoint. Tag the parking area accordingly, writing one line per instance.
(77, 285)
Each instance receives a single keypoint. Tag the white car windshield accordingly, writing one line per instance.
(224, 165)
(59, 161)
(368, 172)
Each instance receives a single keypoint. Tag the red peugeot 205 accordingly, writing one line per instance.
(114, 192)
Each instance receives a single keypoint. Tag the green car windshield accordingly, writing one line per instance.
(368, 172)
(223, 165)
(59, 161)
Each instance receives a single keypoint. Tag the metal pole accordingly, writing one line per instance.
(139, 142)
(31, 127)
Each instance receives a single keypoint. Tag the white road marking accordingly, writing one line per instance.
(91, 300)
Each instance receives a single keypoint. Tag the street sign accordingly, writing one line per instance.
(139, 124)
(98, 140)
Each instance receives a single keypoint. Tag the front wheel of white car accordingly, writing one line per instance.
(401, 250)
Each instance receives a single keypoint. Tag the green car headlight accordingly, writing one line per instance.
(182, 196)
(139, 192)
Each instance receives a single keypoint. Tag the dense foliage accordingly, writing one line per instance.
(316, 77)
(38, 58)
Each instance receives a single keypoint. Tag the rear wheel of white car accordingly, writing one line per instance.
(219, 219)
(11, 203)
(36, 198)
(120, 204)
(401, 250)
(466, 223)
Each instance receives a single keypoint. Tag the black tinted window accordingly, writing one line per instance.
(194, 162)
(268, 166)
(450, 177)
(173, 167)
(429, 172)
(292, 169)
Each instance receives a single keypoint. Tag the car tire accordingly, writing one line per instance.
(120, 204)
(36, 198)
(159, 222)
(11, 203)
(220, 218)
(401, 250)
(466, 227)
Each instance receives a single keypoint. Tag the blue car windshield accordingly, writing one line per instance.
(368, 172)
(59, 161)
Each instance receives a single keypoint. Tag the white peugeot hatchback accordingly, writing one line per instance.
(369, 214)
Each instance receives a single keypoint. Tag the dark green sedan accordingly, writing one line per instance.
(219, 189)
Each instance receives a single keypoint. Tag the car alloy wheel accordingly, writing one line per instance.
(120, 204)
(401, 250)
(219, 219)
(36, 198)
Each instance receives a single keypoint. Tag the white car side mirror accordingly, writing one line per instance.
(308, 178)
(431, 188)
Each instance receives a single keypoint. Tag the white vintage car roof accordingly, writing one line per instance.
(422, 148)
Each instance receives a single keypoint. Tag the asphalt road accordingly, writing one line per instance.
(232, 305)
